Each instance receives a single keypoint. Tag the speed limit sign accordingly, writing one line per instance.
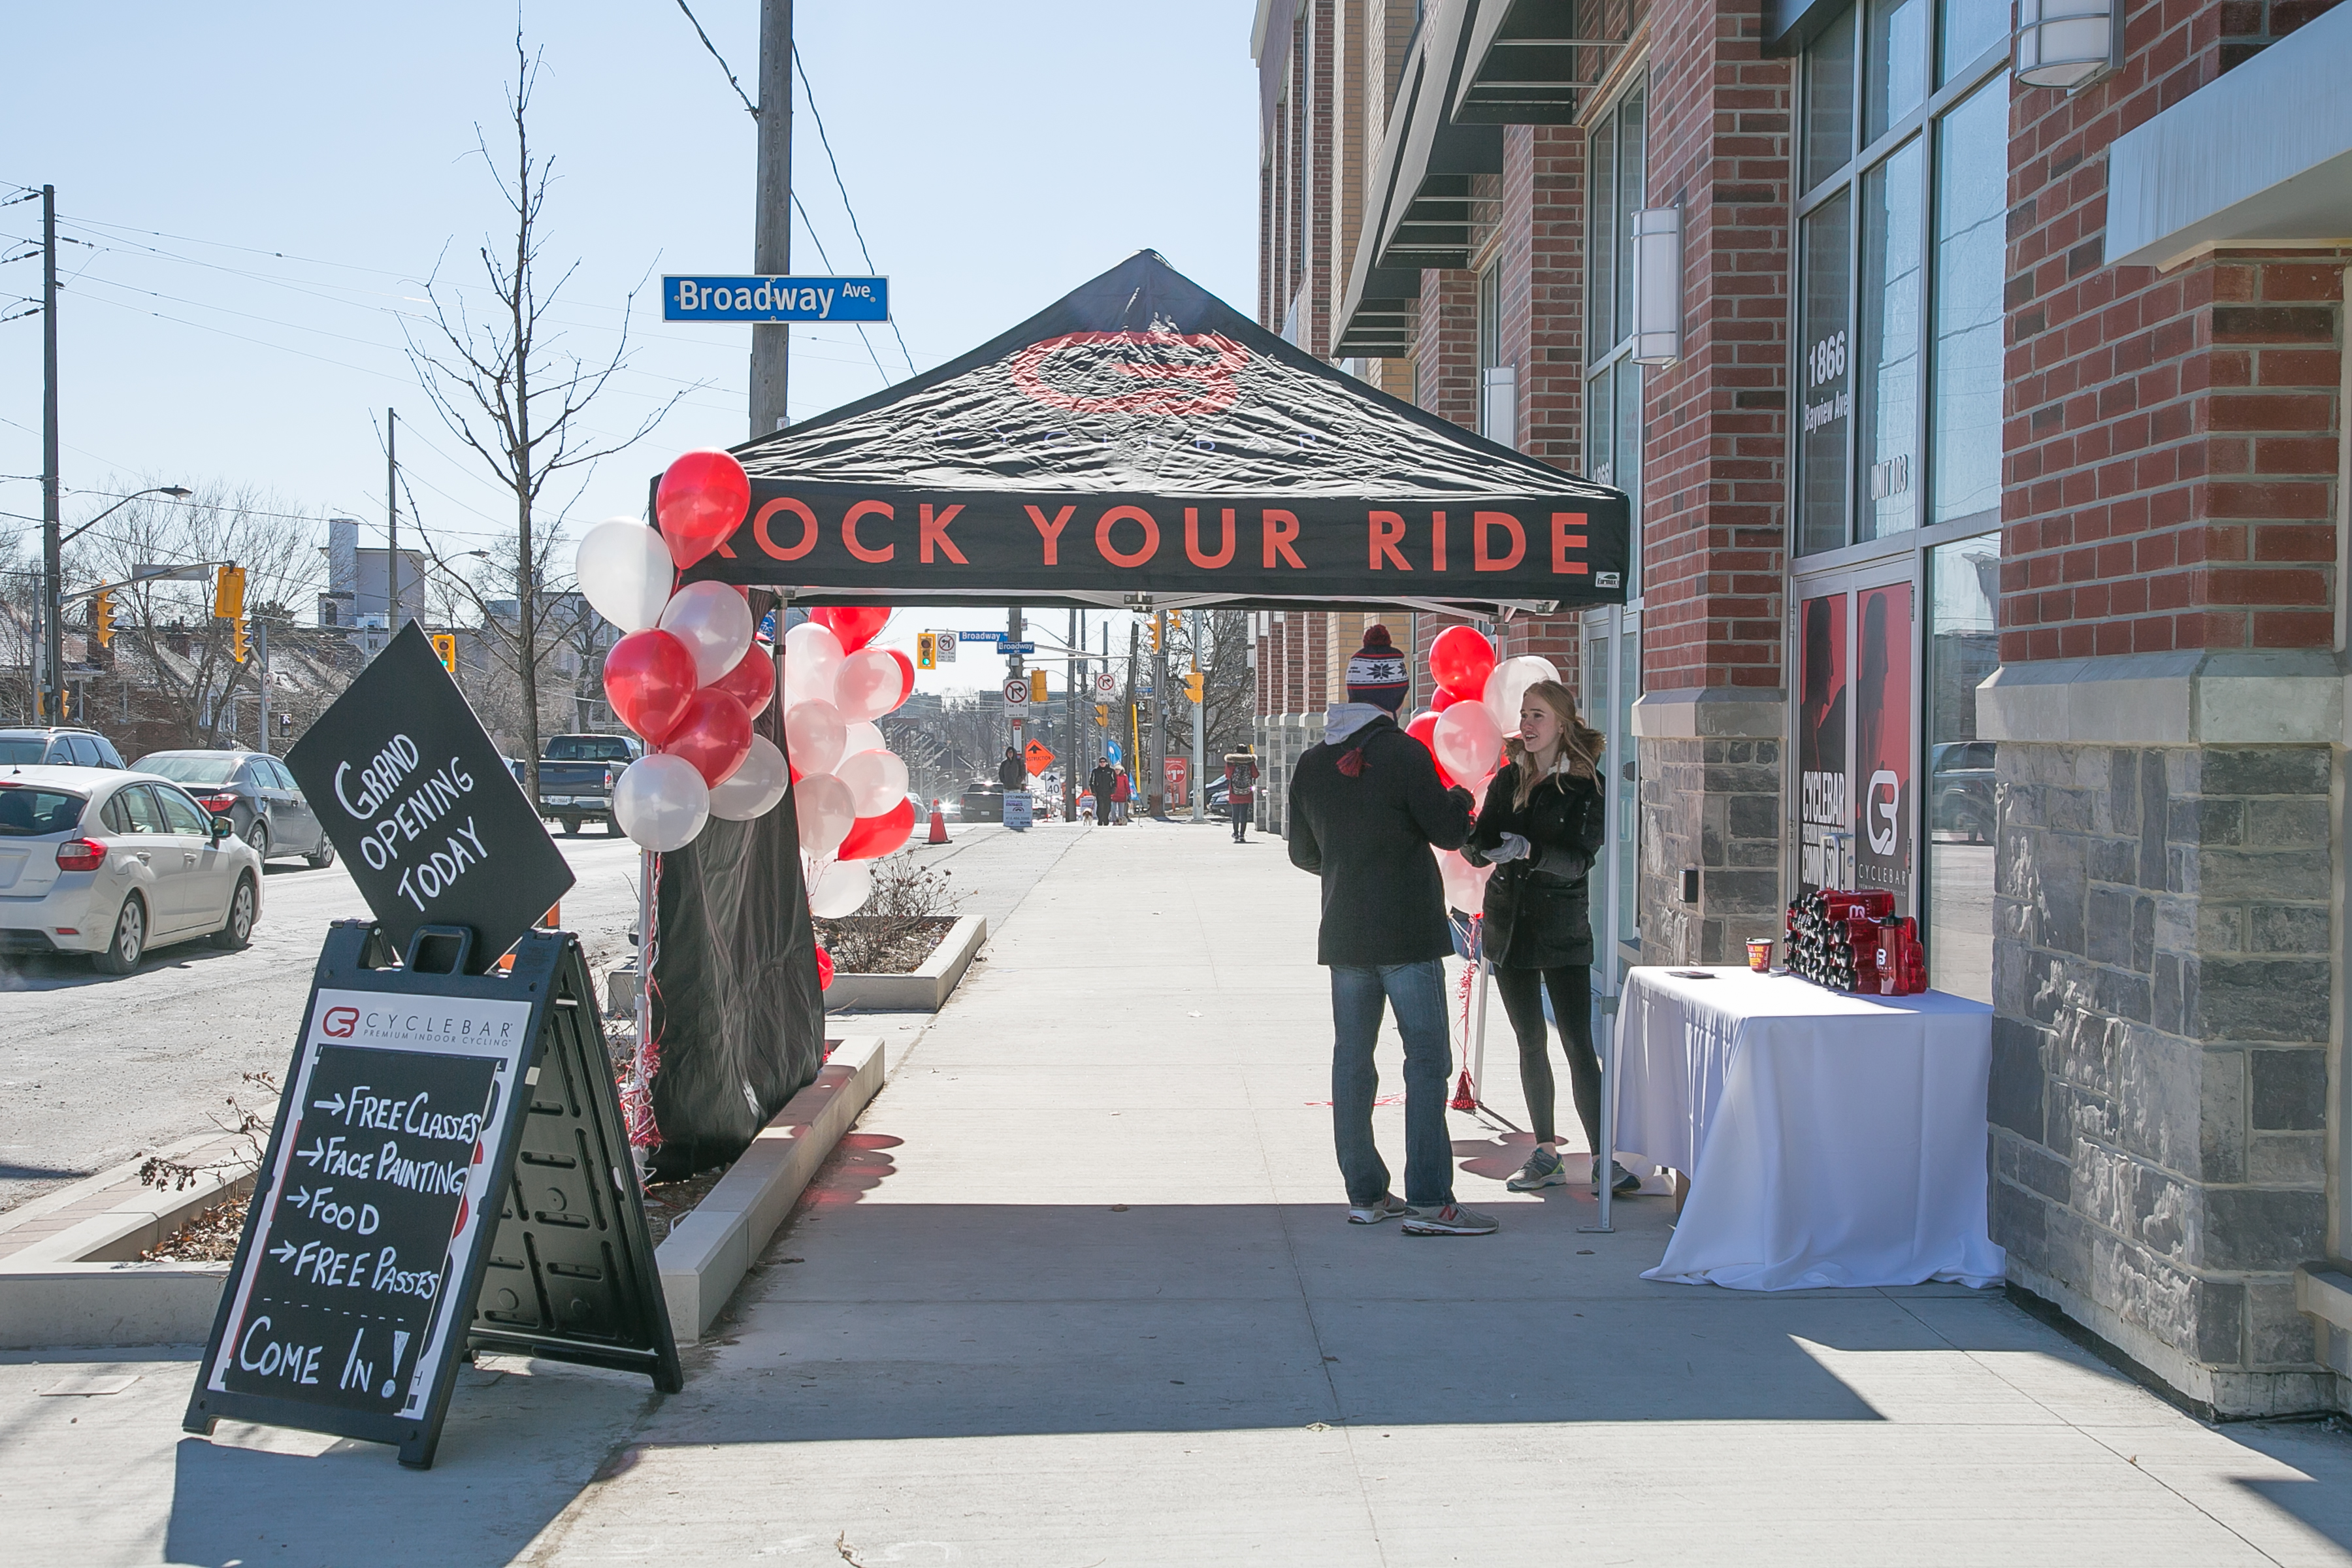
(1105, 684)
(1016, 691)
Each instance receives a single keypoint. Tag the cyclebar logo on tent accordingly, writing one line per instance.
(1204, 388)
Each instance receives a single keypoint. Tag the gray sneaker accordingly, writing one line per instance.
(1451, 1220)
(1390, 1207)
(1543, 1169)
(1621, 1180)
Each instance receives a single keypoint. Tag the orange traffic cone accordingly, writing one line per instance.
(939, 825)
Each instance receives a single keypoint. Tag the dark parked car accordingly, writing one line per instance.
(576, 774)
(254, 792)
(62, 746)
(1960, 782)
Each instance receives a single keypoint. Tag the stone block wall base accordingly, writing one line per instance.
(1710, 804)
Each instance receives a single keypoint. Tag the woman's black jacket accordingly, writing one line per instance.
(1537, 913)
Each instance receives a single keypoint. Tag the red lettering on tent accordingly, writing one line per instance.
(1562, 541)
(849, 531)
(1388, 532)
(1051, 532)
(1210, 387)
(1193, 540)
(1437, 541)
(935, 531)
(1484, 559)
(808, 528)
(1281, 527)
(1127, 514)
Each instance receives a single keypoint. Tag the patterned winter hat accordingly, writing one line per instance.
(1376, 673)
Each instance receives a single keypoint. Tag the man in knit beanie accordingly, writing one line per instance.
(1366, 809)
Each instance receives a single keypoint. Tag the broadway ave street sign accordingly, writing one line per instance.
(757, 299)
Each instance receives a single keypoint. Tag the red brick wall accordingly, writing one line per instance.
(1541, 253)
(1715, 469)
(2170, 438)
(1445, 346)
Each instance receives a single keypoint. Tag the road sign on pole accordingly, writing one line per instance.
(1105, 684)
(1016, 691)
(762, 299)
(947, 646)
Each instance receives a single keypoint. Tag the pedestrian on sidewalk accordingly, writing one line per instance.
(1103, 782)
(1013, 772)
(1241, 780)
(1366, 807)
(1120, 793)
(1540, 829)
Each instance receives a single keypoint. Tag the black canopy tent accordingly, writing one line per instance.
(1139, 441)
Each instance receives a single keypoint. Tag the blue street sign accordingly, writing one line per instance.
(1013, 647)
(996, 637)
(757, 299)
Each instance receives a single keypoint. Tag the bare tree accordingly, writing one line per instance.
(509, 390)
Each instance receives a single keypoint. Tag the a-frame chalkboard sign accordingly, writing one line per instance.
(448, 1172)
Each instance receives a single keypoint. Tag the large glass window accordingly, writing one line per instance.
(1963, 649)
(1971, 206)
(1824, 372)
(1829, 103)
(1613, 382)
(1892, 279)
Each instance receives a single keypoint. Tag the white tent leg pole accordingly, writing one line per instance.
(1478, 1031)
(1610, 1055)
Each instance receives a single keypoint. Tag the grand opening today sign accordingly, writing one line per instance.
(421, 806)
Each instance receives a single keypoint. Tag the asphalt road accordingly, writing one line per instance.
(94, 1070)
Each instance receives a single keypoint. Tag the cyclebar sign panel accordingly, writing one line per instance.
(420, 805)
(376, 1197)
(1141, 437)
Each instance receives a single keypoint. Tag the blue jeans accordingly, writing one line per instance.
(1417, 992)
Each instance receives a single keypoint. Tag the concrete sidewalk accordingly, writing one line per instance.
(1078, 1292)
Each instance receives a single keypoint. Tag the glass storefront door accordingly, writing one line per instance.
(1855, 737)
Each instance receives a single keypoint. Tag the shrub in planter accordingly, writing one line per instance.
(911, 909)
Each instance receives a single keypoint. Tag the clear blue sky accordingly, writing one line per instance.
(267, 185)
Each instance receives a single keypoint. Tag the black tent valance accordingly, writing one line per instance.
(1141, 439)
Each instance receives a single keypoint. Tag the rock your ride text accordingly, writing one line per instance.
(412, 820)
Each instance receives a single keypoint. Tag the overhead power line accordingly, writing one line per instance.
(826, 142)
(753, 108)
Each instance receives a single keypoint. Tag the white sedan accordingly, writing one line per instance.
(111, 864)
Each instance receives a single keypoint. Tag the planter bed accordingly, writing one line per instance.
(923, 989)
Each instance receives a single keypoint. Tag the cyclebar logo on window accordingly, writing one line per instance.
(416, 799)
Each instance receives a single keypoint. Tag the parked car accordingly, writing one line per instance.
(59, 746)
(576, 775)
(1960, 782)
(982, 802)
(113, 864)
(256, 793)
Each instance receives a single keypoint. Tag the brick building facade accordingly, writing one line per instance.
(1991, 499)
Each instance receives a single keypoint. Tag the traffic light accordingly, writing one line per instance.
(445, 649)
(1037, 686)
(228, 596)
(927, 650)
(1194, 681)
(238, 647)
(1102, 713)
(1155, 633)
(101, 617)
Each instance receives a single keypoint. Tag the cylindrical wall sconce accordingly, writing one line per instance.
(1657, 263)
(2066, 43)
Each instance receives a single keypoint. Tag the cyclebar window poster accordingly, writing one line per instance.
(1823, 816)
(1881, 742)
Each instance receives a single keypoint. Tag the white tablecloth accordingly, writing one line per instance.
(1829, 1139)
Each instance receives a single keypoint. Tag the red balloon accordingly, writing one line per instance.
(703, 496)
(873, 836)
(715, 735)
(855, 625)
(905, 674)
(1422, 729)
(823, 970)
(752, 681)
(1461, 660)
(649, 680)
(1445, 697)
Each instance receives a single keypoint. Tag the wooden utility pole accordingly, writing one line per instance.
(53, 640)
(391, 522)
(771, 235)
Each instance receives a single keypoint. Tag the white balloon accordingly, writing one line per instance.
(625, 571)
(754, 788)
(867, 686)
(826, 811)
(814, 735)
(1506, 688)
(864, 736)
(661, 802)
(714, 623)
(813, 657)
(1465, 885)
(841, 889)
(876, 781)
(1467, 739)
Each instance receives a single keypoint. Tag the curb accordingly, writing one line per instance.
(707, 1255)
(924, 991)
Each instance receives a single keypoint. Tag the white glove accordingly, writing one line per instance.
(1512, 847)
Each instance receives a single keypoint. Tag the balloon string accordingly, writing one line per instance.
(636, 1093)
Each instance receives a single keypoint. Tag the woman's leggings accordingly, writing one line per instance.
(1571, 1005)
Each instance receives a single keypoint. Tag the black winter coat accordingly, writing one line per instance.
(1369, 837)
(1539, 913)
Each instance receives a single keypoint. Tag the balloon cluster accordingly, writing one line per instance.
(1476, 706)
(689, 675)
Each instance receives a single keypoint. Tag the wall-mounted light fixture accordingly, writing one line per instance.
(2066, 43)
(1657, 263)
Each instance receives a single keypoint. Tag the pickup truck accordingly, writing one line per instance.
(576, 775)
